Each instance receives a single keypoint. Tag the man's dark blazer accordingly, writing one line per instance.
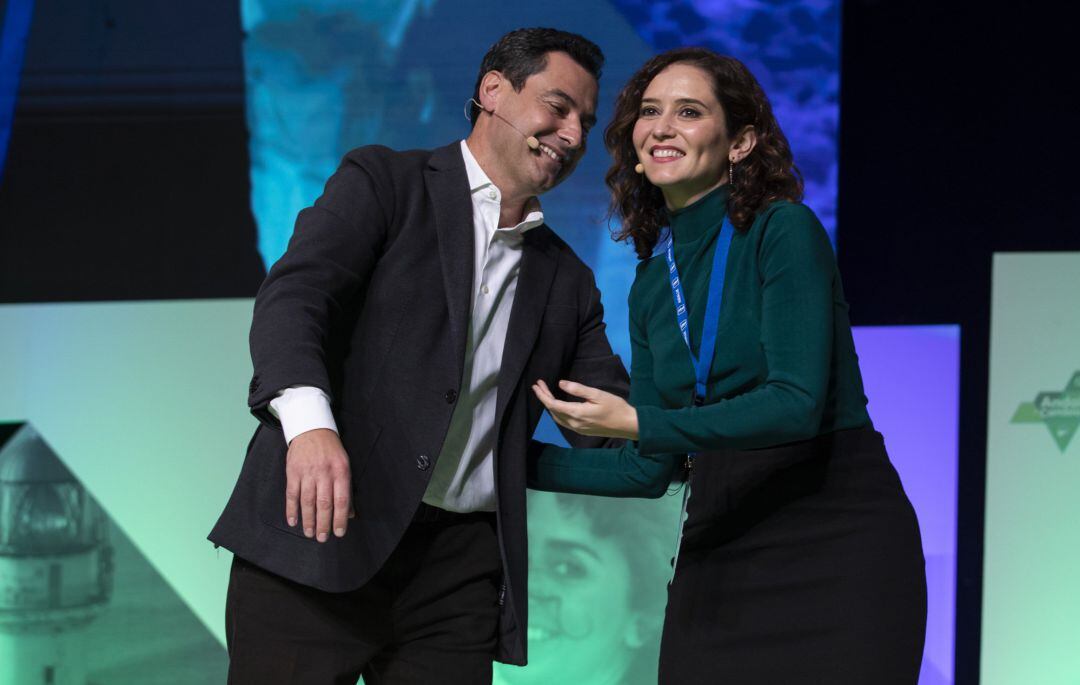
(371, 304)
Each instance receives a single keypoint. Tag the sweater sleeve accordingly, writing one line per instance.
(797, 268)
(611, 472)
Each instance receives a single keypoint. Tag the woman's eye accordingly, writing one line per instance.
(568, 569)
(647, 111)
(689, 112)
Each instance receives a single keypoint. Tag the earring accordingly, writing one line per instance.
(731, 172)
(639, 168)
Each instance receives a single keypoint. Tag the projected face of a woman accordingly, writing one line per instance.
(582, 628)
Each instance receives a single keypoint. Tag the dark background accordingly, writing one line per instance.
(955, 143)
(127, 182)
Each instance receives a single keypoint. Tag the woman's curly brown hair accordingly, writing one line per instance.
(766, 175)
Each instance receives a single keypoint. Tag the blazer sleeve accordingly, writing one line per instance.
(333, 250)
(595, 364)
(620, 471)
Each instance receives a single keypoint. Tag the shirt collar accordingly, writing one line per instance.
(478, 180)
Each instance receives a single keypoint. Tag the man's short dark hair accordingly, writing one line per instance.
(523, 52)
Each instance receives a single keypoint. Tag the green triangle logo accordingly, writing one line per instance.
(1059, 411)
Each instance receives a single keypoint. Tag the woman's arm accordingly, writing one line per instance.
(798, 268)
(616, 472)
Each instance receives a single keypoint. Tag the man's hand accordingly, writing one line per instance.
(601, 413)
(318, 484)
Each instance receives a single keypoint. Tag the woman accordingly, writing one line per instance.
(597, 568)
(800, 559)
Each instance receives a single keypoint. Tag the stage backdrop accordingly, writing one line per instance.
(1031, 604)
(133, 414)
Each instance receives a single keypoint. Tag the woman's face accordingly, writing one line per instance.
(680, 136)
(581, 626)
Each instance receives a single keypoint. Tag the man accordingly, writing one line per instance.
(379, 519)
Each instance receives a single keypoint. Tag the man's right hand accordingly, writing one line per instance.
(318, 484)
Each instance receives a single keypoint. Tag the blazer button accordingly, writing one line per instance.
(422, 462)
(451, 396)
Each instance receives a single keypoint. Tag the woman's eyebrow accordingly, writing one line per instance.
(571, 546)
(680, 101)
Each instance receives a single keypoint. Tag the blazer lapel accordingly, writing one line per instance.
(448, 187)
(539, 260)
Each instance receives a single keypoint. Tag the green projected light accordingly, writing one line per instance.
(1031, 606)
(146, 404)
(78, 602)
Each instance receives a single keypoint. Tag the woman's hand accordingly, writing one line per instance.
(601, 413)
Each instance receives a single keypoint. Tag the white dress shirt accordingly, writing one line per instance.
(464, 477)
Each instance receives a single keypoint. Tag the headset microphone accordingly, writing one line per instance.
(531, 141)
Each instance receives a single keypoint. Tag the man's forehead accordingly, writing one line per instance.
(562, 71)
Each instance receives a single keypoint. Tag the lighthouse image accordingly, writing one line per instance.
(55, 563)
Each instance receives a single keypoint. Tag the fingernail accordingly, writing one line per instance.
(339, 532)
(292, 521)
(309, 532)
(322, 537)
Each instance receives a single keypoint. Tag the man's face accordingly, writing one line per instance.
(558, 107)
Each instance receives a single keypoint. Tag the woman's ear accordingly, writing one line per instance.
(743, 144)
(634, 637)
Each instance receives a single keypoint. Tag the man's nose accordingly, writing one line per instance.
(573, 135)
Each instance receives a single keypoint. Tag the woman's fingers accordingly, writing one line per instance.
(585, 392)
(547, 399)
(562, 412)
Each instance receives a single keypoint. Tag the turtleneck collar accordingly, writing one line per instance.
(695, 219)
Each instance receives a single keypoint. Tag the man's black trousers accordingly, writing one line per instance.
(429, 616)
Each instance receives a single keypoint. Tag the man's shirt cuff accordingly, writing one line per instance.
(302, 408)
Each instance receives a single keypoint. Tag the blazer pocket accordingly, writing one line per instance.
(560, 315)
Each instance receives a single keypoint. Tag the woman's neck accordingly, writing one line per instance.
(677, 197)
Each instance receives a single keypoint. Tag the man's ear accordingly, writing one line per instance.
(492, 86)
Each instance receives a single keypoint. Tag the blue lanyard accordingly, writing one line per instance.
(703, 360)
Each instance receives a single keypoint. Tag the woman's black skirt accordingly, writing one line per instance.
(799, 564)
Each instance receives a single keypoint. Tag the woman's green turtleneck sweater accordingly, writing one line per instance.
(784, 369)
